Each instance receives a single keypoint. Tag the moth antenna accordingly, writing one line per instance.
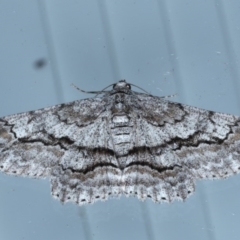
(91, 92)
(168, 96)
(140, 88)
(104, 89)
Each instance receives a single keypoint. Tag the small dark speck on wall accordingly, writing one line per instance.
(40, 63)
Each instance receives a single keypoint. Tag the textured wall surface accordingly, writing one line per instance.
(186, 47)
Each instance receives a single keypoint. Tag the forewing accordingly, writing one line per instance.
(33, 143)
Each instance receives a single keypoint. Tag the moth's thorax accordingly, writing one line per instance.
(120, 104)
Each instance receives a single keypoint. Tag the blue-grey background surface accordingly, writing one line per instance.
(191, 48)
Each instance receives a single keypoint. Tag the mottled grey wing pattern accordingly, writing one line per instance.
(206, 142)
(33, 143)
(122, 143)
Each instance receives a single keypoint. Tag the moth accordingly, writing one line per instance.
(124, 142)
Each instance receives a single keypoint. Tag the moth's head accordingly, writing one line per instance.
(122, 84)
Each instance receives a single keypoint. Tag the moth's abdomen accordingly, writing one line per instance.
(121, 134)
